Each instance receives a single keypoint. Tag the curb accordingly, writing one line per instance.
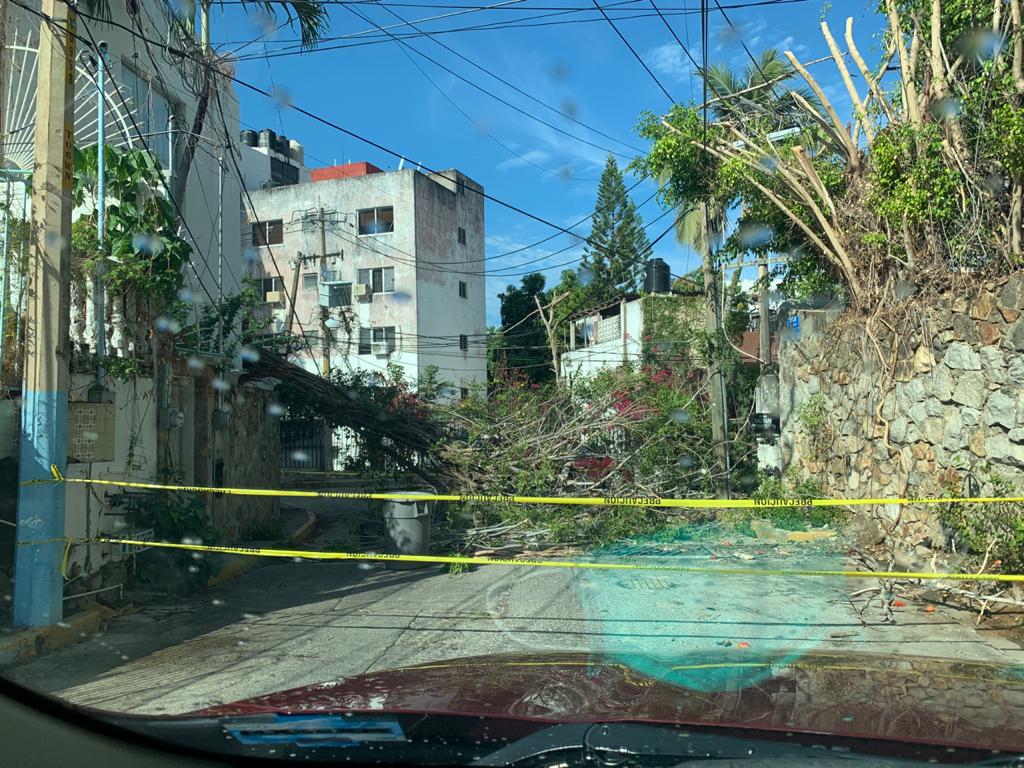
(21, 646)
(236, 565)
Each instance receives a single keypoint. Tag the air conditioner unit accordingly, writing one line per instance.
(379, 348)
(274, 297)
(362, 290)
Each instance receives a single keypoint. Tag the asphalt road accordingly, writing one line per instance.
(294, 623)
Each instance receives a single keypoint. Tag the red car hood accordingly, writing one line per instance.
(909, 699)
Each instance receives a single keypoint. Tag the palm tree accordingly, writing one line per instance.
(755, 97)
(759, 93)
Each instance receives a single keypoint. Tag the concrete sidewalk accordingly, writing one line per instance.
(295, 623)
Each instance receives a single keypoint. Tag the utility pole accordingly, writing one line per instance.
(98, 303)
(38, 583)
(294, 295)
(764, 333)
(716, 381)
(324, 340)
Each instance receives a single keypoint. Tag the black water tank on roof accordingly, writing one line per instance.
(267, 138)
(249, 138)
(657, 277)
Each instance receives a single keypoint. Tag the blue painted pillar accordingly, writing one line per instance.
(38, 583)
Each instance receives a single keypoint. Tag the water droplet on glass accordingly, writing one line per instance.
(193, 569)
(301, 456)
(680, 416)
(220, 384)
(754, 234)
(566, 173)
(995, 184)
(943, 109)
(584, 275)
(275, 409)
(296, 559)
(685, 461)
(63, 624)
(250, 256)
(185, 294)
(364, 566)
(217, 601)
(191, 540)
(91, 437)
(981, 44)
(195, 363)
(125, 657)
(769, 164)
(400, 297)
(570, 109)
(560, 70)
(249, 354)
(483, 127)
(166, 324)
(250, 616)
(282, 97)
(241, 642)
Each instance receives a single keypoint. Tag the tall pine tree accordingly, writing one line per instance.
(618, 245)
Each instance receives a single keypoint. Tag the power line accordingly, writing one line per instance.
(341, 129)
(402, 47)
(142, 139)
(636, 55)
(511, 85)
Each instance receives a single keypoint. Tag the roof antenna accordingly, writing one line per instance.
(401, 163)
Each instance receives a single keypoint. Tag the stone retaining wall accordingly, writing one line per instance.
(910, 404)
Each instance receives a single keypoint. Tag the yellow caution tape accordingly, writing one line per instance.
(589, 501)
(578, 564)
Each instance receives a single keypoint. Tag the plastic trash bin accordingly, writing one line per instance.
(407, 528)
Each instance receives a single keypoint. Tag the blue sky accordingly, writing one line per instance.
(581, 68)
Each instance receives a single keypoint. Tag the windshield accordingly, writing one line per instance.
(655, 362)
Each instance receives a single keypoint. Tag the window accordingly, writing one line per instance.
(330, 276)
(463, 341)
(375, 221)
(381, 279)
(371, 337)
(152, 111)
(268, 284)
(462, 236)
(463, 290)
(339, 295)
(309, 281)
(268, 232)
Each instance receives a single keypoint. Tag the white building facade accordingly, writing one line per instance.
(377, 269)
(604, 337)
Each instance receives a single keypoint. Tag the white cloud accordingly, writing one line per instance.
(538, 156)
(668, 59)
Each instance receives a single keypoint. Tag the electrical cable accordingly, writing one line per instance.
(632, 50)
(402, 47)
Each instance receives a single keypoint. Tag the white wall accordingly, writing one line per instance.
(424, 302)
(135, 458)
(627, 347)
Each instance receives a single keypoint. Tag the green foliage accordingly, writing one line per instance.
(812, 413)
(525, 342)
(143, 252)
(911, 177)
(431, 385)
(1005, 137)
(123, 368)
(618, 246)
(999, 525)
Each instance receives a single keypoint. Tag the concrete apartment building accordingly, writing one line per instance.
(376, 268)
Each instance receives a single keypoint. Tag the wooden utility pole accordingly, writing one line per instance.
(764, 331)
(294, 295)
(38, 583)
(324, 340)
(716, 382)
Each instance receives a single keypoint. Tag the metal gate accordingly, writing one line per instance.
(302, 445)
